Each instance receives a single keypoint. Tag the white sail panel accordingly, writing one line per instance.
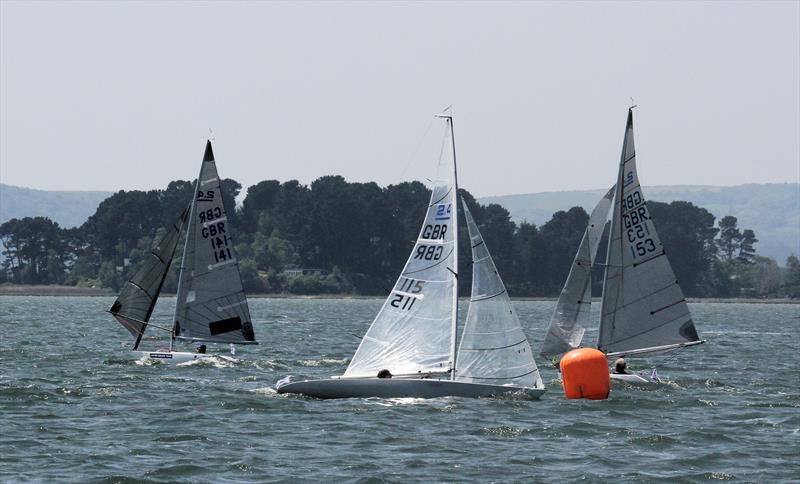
(493, 349)
(643, 305)
(211, 302)
(137, 299)
(412, 331)
(569, 320)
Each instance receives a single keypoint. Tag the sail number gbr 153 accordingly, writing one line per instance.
(636, 225)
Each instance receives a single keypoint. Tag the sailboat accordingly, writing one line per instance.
(410, 348)
(211, 306)
(644, 311)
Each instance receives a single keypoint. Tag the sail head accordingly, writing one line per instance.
(212, 305)
(493, 349)
(643, 304)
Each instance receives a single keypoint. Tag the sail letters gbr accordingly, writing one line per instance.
(213, 222)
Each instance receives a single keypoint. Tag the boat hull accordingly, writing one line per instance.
(630, 378)
(175, 357)
(403, 388)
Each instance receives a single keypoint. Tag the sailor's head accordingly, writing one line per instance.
(201, 349)
(384, 373)
(620, 365)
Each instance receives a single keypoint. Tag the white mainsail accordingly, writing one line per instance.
(211, 302)
(571, 315)
(493, 348)
(643, 305)
(413, 332)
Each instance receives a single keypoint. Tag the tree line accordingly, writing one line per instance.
(337, 237)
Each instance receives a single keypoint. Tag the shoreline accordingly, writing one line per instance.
(45, 290)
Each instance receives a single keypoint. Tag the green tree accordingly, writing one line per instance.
(730, 237)
(791, 279)
(747, 251)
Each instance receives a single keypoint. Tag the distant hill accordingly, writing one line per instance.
(69, 209)
(772, 210)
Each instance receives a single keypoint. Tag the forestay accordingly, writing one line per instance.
(412, 332)
(643, 305)
(569, 320)
(493, 348)
(136, 301)
(211, 303)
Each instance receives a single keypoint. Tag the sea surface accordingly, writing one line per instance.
(76, 407)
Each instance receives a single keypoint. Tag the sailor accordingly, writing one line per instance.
(384, 373)
(619, 366)
(201, 349)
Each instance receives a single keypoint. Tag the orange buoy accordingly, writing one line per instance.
(584, 374)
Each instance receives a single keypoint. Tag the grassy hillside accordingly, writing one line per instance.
(771, 209)
(69, 209)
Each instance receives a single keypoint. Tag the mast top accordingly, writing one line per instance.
(209, 153)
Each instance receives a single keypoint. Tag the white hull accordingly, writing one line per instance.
(630, 378)
(403, 388)
(172, 356)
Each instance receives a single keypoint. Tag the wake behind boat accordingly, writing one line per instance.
(211, 306)
(410, 348)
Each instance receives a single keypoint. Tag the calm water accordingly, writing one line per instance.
(75, 407)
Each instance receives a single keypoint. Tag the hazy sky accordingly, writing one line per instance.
(106, 96)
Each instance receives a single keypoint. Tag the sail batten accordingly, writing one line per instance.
(643, 304)
(493, 345)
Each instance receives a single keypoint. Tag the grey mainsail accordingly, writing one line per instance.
(643, 305)
(493, 347)
(413, 331)
(136, 301)
(211, 304)
(571, 315)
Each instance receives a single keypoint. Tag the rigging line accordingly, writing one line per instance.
(637, 264)
(643, 297)
(496, 348)
(414, 153)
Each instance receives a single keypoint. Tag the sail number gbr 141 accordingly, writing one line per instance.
(214, 231)
(635, 219)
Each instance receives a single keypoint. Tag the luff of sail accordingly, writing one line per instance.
(136, 301)
(643, 305)
(211, 302)
(493, 349)
(568, 323)
(411, 333)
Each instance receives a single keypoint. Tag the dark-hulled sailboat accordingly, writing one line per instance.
(211, 306)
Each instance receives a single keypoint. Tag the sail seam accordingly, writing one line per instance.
(636, 264)
(649, 330)
(667, 306)
(445, 196)
(640, 299)
(430, 266)
(484, 298)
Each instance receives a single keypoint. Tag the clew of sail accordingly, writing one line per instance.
(412, 332)
(643, 305)
(568, 323)
(211, 302)
(493, 347)
(136, 301)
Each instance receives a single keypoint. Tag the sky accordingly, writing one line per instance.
(122, 95)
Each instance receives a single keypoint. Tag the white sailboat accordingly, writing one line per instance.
(644, 311)
(211, 306)
(410, 348)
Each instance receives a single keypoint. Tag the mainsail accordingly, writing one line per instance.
(643, 305)
(211, 302)
(493, 348)
(413, 332)
(572, 310)
(136, 301)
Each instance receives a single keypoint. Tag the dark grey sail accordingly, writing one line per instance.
(643, 306)
(211, 304)
(136, 301)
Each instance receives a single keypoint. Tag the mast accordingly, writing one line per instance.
(186, 244)
(454, 270)
(616, 222)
